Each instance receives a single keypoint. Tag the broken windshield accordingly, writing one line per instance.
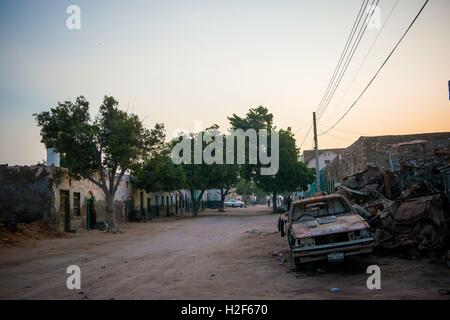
(313, 210)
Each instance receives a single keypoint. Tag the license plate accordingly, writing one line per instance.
(338, 256)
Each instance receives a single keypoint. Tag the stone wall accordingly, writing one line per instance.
(376, 151)
(25, 194)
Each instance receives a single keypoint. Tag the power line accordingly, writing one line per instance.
(349, 131)
(344, 51)
(303, 127)
(340, 138)
(378, 71)
(352, 53)
(306, 136)
(365, 58)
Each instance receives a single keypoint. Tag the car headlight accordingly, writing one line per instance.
(306, 242)
(359, 234)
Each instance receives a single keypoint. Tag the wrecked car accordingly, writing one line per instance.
(325, 227)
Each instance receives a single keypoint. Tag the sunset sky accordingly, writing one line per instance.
(179, 62)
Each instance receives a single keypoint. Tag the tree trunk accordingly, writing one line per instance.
(194, 203)
(110, 213)
(180, 203)
(222, 200)
(200, 200)
(274, 200)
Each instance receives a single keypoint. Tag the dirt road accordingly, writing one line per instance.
(214, 256)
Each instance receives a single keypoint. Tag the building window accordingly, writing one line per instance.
(327, 162)
(76, 204)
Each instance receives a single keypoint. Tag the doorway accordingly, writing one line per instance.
(64, 208)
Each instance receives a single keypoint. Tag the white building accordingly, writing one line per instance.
(325, 157)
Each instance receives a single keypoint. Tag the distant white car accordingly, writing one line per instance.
(234, 203)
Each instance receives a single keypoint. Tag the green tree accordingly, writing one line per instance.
(247, 188)
(203, 176)
(292, 174)
(257, 119)
(224, 177)
(159, 173)
(197, 176)
(100, 149)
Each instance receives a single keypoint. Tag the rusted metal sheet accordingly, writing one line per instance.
(417, 222)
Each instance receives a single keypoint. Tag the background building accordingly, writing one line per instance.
(388, 152)
(326, 156)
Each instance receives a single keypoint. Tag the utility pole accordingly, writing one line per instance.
(316, 148)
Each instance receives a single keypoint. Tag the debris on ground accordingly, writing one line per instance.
(253, 231)
(12, 234)
(404, 213)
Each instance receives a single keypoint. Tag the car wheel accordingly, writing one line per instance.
(299, 266)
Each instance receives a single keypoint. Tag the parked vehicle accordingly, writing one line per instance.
(325, 227)
(234, 203)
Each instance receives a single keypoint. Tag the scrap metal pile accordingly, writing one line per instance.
(413, 216)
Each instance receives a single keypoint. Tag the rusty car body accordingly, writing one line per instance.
(325, 227)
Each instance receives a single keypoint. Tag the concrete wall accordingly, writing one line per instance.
(86, 189)
(213, 195)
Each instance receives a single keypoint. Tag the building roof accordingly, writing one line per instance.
(308, 155)
(404, 139)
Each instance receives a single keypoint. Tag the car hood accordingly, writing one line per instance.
(341, 224)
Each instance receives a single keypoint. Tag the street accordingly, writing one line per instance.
(237, 254)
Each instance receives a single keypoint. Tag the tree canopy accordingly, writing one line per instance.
(100, 149)
(292, 174)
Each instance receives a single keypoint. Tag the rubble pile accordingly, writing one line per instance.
(414, 217)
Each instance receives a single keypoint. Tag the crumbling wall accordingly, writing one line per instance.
(30, 193)
(375, 151)
(25, 194)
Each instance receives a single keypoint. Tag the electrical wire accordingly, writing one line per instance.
(344, 51)
(379, 69)
(306, 136)
(349, 131)
(350, 57)
(364, 60)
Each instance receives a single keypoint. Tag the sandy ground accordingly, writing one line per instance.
(214, 256)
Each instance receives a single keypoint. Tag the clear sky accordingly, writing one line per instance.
(179, 62)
